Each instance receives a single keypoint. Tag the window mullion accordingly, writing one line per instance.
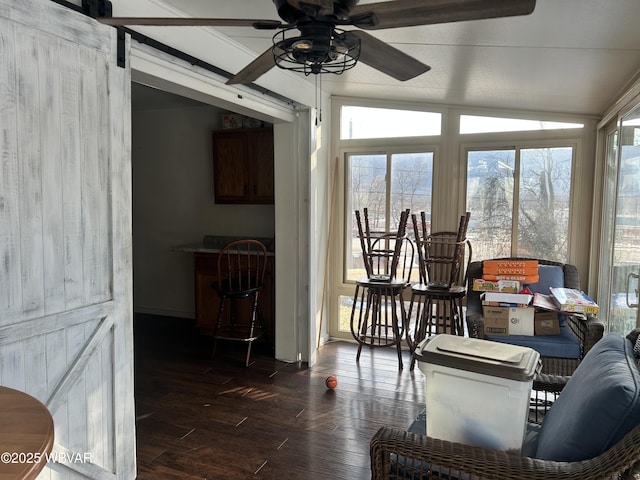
(516, 204)
(388, 178)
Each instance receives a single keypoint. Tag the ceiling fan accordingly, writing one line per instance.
(311, 40)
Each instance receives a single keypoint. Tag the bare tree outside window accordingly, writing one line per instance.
(411, 182)
(543, 219)
(490, 201)
(368, 188)
(541, 195)
(385, 184)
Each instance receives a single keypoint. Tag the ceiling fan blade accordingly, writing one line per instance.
(407, 13)
(388, 59)
(192, 22)
(255, 69)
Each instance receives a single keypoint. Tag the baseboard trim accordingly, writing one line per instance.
(163, 312)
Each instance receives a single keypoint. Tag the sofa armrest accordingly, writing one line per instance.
(475, 323)
(551, 384)
(594, 331)
(587, 328)
(399, 454)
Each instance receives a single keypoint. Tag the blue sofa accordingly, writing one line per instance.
(592, 431)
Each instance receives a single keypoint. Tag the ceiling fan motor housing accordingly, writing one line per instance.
(291, 14)
(320, 48)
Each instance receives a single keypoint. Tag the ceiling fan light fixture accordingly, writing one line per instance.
(316, 51)
(302, 45)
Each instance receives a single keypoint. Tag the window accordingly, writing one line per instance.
(385, 184)
(515, 175)
(478, 124)
(367, 122)
(529, 185)
(620, 254)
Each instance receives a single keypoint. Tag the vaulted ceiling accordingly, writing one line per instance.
(571, 56)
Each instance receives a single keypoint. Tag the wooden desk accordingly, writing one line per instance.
(26, 435)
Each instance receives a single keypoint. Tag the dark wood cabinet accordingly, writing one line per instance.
(243, 166)
(207, 301)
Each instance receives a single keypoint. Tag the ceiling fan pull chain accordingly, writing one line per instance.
(318, 98)
(319, 77)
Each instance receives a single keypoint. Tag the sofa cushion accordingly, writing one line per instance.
(564, 345)
(597, 407)
(548, 276)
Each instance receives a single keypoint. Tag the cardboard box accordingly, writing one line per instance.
(503, 286)
(481, 285)
(508, 286)
(572, 300)
(496, 320)
(546, 323)
(508, 320)
(498, 299)
(524, 279)
(510, 267)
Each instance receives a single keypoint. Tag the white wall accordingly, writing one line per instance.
(173, 204)
(321, 199)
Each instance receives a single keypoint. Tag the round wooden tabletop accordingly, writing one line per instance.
(26, 435)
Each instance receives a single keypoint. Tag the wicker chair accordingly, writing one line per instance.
(397, 454)
(391, 448)
(586, 330)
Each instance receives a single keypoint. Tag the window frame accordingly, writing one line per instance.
(450, 178)
(346, 214)
(518, 146)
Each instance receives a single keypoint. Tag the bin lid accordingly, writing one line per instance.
(480, 356)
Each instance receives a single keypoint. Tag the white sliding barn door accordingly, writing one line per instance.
(65, 233)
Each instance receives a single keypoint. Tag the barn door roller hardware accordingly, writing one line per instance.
(97, 8)
(101, 9)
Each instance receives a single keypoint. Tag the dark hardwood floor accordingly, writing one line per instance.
(198, 419)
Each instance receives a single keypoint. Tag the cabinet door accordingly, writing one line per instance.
(230, 167)
(260, 153)
(243, 166)
(207, 301)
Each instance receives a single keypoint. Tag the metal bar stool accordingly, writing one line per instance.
(378, 315)
(437, 298)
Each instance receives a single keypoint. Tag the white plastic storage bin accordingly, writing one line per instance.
(477, 391)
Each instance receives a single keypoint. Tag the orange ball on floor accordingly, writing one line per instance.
(331, 381)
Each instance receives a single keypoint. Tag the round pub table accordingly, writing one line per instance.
(26, 435)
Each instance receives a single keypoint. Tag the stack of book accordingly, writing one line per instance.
(524, 271)
(506, 276)
(566, 300)
(573, 301)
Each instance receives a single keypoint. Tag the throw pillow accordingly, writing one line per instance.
(548, 276)
(597, 407)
